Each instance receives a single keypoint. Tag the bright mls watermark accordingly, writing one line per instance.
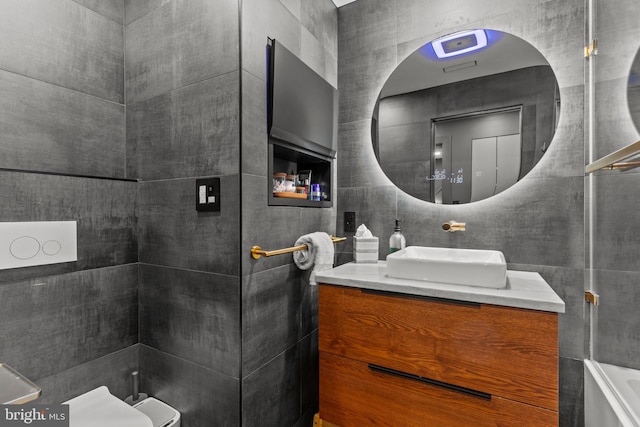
(34, 415)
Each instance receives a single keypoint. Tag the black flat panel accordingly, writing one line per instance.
(302, 106)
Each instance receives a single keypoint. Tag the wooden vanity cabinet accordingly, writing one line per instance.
(401, 360)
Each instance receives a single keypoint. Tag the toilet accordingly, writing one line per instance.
(99, 408)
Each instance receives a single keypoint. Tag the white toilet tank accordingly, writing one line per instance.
(99, 408)
(161, 414)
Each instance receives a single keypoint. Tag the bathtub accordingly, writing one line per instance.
(611, 395)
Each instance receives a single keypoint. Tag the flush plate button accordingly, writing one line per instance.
(24, 244)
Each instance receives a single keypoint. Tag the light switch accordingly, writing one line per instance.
(25, 244)
(208, 194)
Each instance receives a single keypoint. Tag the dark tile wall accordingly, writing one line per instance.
(234, 324)
(538, 223)
(279, 317)
(204, 397)
(615, 217)
(182, 86)
(73, 326)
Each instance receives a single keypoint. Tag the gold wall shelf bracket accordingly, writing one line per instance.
(591, 49)
(591, 297)
(257, 252)
(616, 160)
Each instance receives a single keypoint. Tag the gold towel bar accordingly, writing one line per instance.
(614, 160)
(257, 252)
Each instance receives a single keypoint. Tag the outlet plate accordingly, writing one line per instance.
(25, 244)
(350, 222)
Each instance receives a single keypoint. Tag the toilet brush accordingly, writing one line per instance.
(135, 396)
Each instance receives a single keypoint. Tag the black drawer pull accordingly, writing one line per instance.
(448, 386)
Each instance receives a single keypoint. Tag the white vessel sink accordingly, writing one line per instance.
(471, 267)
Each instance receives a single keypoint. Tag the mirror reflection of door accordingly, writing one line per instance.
(495, 165)
(483, 158)
(442, 162)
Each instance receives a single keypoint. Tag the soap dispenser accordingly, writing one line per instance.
(397, 240)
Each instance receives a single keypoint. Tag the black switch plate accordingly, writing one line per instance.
(208, 194)
(350, 222)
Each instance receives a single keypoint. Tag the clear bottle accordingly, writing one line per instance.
(397, 240)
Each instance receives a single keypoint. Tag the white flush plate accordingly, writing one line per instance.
(24, 244)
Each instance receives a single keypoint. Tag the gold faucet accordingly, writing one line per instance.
(453, 226)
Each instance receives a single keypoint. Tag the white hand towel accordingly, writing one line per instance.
(319, 254)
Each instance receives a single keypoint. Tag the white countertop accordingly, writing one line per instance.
(524, 289)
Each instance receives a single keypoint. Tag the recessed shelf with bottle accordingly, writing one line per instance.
(302, 117)
(306, 169)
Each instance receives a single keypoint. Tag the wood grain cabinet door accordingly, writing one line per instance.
(499, 351)
(354, 395)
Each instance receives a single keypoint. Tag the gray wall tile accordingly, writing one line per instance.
(62, 90)
(614, 128)
(51, 324)
(135, 9)
(571, 373)
(361, 76)
(357, 164)
(549, 207)
(280, 381)
(190, 131)
(191, 315)
(112, 9)
(617, 222)
(309, 371)
(180, 43)
(104, 209)
(367, 24)
(53, 129)
(65, 44)
(172, 233)
(617, 322)
(320, 18)
(113, 370)
(262, 19)
(273, 310)
(254, 125)
(204, 397)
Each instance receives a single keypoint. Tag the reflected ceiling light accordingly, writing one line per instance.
(459, 43)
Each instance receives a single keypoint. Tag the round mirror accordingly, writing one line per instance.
(633, 91)
(465, 116)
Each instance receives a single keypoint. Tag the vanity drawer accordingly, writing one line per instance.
(501, 351)
(352, 394)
